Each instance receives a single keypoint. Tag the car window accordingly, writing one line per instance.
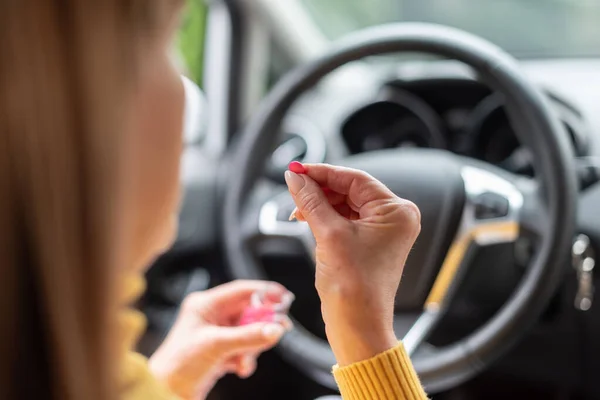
(190, 39)
(527, 29)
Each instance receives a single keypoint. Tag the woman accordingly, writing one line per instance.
(90, 139)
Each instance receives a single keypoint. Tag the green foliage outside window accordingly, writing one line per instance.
(190, 40)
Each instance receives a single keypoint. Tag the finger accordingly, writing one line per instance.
(312, 202)
(345, 211)
(233, 297)
(231, 366)
(284, 321)
(334, 199)
(246, 365)
(296, 215)
(360, 187)
(256, 338)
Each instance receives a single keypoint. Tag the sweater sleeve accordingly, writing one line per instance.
(389, 375)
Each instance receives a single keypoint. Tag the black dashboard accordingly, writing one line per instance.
(446, 110)
(458, 115)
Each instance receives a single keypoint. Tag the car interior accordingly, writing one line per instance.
(485, 113)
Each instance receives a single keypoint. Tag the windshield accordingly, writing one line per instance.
(524, 28)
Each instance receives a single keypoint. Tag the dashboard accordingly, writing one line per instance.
(440, 106)
(458, 115)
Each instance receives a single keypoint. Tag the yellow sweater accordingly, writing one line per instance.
(387, 376)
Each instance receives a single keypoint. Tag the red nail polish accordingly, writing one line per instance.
(297, 167)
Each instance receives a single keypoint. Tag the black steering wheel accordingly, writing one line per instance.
(465, 204)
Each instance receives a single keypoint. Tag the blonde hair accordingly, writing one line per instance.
(67, 70)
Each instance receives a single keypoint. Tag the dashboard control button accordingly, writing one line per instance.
(491, 205)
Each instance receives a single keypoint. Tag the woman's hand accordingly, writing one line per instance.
(364, 233)
(205, 342)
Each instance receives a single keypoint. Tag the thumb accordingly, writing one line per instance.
(311, 201)
(256, 337)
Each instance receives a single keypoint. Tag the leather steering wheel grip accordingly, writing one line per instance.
(536, 126)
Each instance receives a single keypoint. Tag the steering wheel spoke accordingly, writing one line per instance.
(491, 215)
(273, 221)
(420, 330)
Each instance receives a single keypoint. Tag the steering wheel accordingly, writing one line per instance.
(465, 204)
